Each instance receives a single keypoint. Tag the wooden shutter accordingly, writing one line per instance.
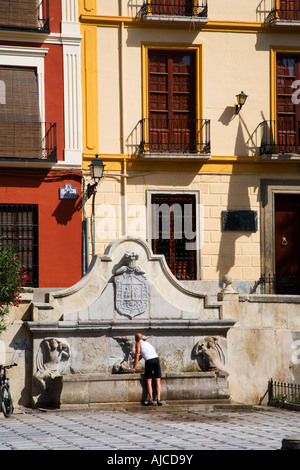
(172, 7)
(288, 112)
(174, 232)
(172, 123)
(20, 127)
(290, 10)
(21, 14)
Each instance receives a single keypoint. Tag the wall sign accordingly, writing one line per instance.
(68, 192)
(239, 220)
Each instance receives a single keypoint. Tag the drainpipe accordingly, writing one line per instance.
(93, 221)
(124, 197)
(122, 124)
(121, 78)
(85, 233)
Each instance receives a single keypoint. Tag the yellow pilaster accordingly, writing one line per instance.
(89, 82)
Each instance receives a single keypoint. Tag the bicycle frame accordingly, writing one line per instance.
(5, 395)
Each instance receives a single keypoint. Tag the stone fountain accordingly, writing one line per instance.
(83, 336)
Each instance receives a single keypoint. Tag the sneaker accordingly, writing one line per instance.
(149, 403)
(159, 403)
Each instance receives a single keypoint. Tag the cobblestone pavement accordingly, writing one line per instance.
(155, 429)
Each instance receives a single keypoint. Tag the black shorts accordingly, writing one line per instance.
(152, 368)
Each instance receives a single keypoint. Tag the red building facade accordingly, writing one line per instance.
(40, 138)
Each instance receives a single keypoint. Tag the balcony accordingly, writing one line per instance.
(287, 15)
(28, 141)
(175, 138)
(280, 139)
(175, 10)
(25, 15)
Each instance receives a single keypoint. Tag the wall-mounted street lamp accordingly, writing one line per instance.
(241, 100)
(96, 169)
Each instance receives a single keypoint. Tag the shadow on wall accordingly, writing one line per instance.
(21, 345)
(238, 198)
(134, 7)
(263, 10)
(66, 209)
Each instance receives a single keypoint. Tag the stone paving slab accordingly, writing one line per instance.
(158, 429)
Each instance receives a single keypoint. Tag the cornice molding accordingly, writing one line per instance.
(38, 38)
(221, 26)
(23, 51)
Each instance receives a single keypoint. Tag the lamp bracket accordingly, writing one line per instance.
(91, 189)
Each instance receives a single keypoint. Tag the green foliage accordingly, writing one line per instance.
(283, 398)
(12, 279)
(278, 399)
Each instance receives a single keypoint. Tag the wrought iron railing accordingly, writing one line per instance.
(285, 13)
(49, 141)
(279, 137)
(194, 8)
(281, 393)
(276, 284)
(21, 140)
(180, 136)
(25, 14)
(43, 16)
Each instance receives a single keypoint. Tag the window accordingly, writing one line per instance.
(179, 8)
(19, 227)
(288, 111)
(174, 232)
(172, 7)
(24, 14)
(20, 127)
(289, 10)
(172, 125)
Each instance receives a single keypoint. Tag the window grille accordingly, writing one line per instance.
(19, 228)
(174, 232)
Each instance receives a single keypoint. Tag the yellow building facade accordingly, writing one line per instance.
(213, 186)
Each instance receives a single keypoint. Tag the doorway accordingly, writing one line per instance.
(287, 246)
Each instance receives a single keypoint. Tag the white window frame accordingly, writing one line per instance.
(30, 57)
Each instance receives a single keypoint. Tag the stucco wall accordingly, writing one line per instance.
(231, 64)
(263, 345)
(233, 61)
(218, 10)
(220, 252)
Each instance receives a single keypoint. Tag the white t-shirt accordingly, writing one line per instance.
(147, 350)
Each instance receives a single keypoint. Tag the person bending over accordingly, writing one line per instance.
(152, 366)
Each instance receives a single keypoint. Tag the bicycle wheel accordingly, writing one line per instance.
(6, 400)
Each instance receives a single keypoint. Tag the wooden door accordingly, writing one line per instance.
(288, 111)
(172, 125)
(289, 10)
(172, 7)
(287, 246)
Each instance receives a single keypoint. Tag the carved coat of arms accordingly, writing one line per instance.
(131, 288)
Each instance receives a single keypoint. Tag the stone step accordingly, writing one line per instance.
(291, 443)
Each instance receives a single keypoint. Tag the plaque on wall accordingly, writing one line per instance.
(68, 192)
(239, 220)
